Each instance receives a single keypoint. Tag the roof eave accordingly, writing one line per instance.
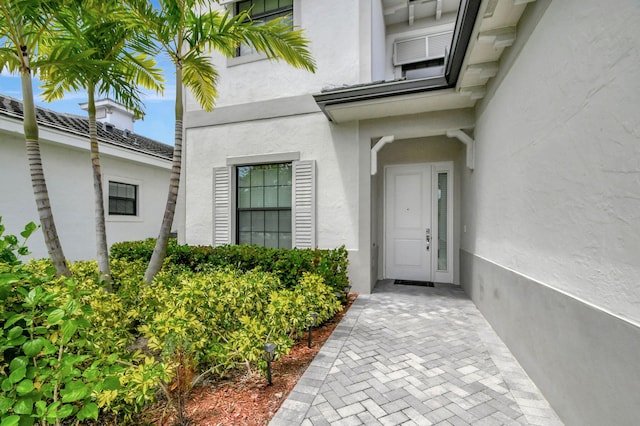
(465, 22)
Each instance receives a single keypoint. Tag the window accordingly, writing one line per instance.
(262, 11)
(123, 199)
(264, 205)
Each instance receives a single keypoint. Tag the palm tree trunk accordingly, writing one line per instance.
(38, 182)
(160, 249)
(102, 250)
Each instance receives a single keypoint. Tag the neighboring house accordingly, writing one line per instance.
(135, 174)
(494, 145)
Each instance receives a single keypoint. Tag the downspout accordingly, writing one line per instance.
(374, 152)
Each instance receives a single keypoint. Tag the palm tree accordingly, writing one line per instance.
(23, 26)
(187, 30)
(119, 64)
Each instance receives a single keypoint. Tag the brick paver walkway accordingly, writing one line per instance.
(414, 356)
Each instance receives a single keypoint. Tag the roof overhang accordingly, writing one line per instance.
(382, 99)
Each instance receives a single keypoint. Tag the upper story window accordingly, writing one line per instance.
(263, 11)
(264, 205)
(123, 199)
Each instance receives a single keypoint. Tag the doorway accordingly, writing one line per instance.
(418, 222)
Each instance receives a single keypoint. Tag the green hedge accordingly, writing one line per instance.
(288, 265)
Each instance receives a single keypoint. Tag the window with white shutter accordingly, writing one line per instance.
(271, 205)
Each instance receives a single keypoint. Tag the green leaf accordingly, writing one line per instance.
(68, 330)
(55, 316)
(6, 279)
(5, 404)
(65, 411)
(74, 391)
(111, 383)
(23, 406)
(6, 385)
(10, 421)
(24, 387)
(12, 320)
(33, 347)
(41, 408)
(28, 230)
(89, 411)
(14, 333)
(18, 375)
(18, 362)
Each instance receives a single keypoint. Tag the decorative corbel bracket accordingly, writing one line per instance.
(374, 152)
(469, 142)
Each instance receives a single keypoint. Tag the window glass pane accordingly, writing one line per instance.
(244, 238)
(244, 197)
(258, 7)
(257, 176)
(271, 5)
(284, 175)
(244, 5)
(271, 176)
(284, 3)
(284, 221)
(257, 221)
(244, 221)
(257, 238)
(271, 196)
(284, 240)
(442, 221)
(257, 197)
(271, 239)
(271, 221)
(284, 196)
(244, 177)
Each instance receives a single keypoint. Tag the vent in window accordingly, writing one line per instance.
(423, 48)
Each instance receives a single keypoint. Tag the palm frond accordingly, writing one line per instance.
(199, 75)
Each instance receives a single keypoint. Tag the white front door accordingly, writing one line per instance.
(418, 222)
(408, 222)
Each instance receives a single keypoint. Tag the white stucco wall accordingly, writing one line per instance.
(333, 148)
(332, 26)
(70, 184)
(556, 190)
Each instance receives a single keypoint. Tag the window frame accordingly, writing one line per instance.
(257, 56)
(109, 217)
(237, 210)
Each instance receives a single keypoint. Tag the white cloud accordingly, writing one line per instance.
(168, 95)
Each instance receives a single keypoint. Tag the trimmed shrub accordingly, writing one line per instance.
(288, 265)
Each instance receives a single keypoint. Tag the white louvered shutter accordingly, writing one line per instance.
(222, 205)
(304, 204)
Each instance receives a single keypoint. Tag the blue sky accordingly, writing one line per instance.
(157, 124)
(159, 120)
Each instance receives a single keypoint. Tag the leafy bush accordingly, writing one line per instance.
(62, 359)
(71, 352)
(288, 265)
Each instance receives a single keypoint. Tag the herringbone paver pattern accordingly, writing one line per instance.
(414, 356)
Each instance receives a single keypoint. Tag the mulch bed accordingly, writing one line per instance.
(244, 399)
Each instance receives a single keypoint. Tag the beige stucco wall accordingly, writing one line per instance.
(556, 190)
(333, 148)
(70, 184)
(332, 26)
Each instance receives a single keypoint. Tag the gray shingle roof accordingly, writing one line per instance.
(78, 125)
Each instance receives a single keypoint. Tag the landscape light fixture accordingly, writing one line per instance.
(346, 291)
(313, 317)
(269, 349)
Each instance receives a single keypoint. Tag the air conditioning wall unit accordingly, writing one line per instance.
(421, 48)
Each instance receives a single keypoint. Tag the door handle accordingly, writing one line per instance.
(427, 235)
